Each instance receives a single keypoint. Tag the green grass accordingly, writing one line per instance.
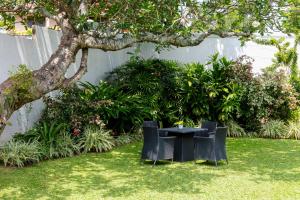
(258, 169)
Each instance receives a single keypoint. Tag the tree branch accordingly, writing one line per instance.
(115, 44)
(81, 71)
(46, 13)
(5, 9)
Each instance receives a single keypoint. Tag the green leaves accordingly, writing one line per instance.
(180, 17)
(166, 91)
(20, 153)
(156, 82)
(96, 139)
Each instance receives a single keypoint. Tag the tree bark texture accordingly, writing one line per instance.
(49, 77)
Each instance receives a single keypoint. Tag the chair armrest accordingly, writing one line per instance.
(210, 137)
(163, 133)
(167, 137)
(201, 133)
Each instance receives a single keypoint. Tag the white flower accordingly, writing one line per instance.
(185, 22)
(255, 24)
(90, 21)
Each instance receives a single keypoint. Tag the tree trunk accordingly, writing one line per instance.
(49, 77)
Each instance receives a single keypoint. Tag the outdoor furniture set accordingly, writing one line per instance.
(184, 144)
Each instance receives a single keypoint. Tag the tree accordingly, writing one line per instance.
(287, 54)
(112, 25)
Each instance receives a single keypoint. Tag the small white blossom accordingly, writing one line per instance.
(255, 24)
(185, 22)
(90, 21)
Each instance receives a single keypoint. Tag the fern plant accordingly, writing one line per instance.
(96, 139)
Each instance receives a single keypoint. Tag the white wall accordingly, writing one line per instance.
(228, 47)
(33, 52)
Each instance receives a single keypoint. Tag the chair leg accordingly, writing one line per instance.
(216, 163)
(154, 163)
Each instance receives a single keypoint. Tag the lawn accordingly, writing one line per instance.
(258, 169)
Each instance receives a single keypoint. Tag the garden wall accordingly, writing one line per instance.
(33, 52)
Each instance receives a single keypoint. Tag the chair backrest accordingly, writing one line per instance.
(220, 137)
(211, 126)
(150, 137)
(150, 124)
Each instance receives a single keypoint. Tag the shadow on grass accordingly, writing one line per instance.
(115, 174)
(121, 174)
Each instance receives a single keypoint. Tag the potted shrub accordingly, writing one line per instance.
(180, 124)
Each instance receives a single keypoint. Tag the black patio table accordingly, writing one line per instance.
(184, 145)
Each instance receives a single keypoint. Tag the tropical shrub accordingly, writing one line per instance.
(193, 92)
(220, 90)
(69, 108)
(28, 136)
(235, 130)
(20, 153)
(293, 131)
(127, 138)
(96, 139)
(64, 147)
(210, 91)
(54, 140)
(123, 139)
(266, 97)
(274, 129)
(156, 81)
(121, 111)
(80, 107)
(48, 137)
(284, 96)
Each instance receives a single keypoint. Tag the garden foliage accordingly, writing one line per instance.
(99, 117)
(167, 91)
(96, 139)
(20, 153)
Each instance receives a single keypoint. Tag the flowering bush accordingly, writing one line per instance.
(266, 97)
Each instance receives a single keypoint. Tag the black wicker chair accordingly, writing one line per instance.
(156, 147)
(212, 148)
(210, 126)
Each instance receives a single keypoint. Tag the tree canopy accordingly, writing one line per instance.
(177, 18)
(112, 25)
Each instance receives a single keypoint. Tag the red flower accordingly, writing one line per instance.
(76, 132)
